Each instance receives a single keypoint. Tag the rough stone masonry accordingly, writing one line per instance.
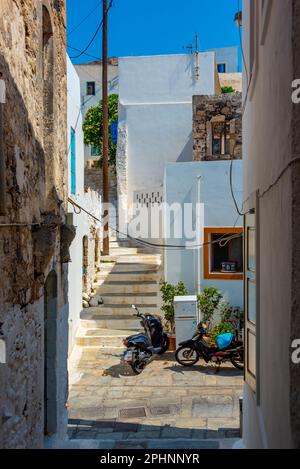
(34, 237)
(225, 109)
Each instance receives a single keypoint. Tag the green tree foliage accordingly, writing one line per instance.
(227, 89)
(168, 293)
(208, 302)
(93, 131)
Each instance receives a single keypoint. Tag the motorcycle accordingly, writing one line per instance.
(142, 348)
(190, 351)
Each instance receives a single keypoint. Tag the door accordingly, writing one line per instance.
(50, 341)
(251, 299)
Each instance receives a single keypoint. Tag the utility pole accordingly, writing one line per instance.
(105, 133)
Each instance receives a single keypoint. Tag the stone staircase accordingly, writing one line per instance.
(166, 407)
(129, 275)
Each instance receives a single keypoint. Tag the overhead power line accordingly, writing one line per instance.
(84, 53)
(85, 18)
(223, 239)
(93, 37)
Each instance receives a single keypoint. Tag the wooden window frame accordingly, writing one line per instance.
(208, 275)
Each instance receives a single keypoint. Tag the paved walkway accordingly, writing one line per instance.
(167, 406)
(166, 402)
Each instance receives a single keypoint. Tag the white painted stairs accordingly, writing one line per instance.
(131, 274)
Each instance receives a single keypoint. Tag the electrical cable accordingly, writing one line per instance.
(294, 160)
(90, 43)
(94, 35)
(85, 53)
(84, 19)
(242, 214)
(149, 244)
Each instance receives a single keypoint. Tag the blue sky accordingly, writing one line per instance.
(150, 27)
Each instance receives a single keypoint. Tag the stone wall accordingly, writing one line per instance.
(217, 109)
(35, 239)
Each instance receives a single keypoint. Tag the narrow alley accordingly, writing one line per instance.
(166, 406)
(149, 230)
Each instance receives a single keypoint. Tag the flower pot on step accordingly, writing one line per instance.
(172, 338)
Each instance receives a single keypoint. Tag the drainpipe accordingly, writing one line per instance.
(199, 231)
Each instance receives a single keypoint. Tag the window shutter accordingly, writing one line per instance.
(251, 299)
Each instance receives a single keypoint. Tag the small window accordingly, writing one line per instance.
(223, 253)
(91, 88)
(220, 138)
(94, 151)
(222, 68)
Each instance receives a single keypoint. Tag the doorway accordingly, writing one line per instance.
(50, 340)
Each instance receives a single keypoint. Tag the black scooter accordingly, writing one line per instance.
(190, 351)
(142, 348)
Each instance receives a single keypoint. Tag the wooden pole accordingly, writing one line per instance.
(105, 133)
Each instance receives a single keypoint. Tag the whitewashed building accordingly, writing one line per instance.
(155, 121)
(271, 140)
(90, 74)
(85, 250)
(199, 210)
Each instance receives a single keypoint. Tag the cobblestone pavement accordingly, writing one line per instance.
(165, 403)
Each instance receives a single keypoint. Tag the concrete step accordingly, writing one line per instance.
(129, 299)
(127, 288)
(111, 338)
(111, 312)
(129, 276)
(130, 267)
(132, 259)
(117, 322)
(121, 251)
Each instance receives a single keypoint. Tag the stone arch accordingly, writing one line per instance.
(50, 341)
(48, 96)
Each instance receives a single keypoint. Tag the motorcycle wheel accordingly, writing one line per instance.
(137, 367)
(165, 344)
(238, 361)
(187, 356)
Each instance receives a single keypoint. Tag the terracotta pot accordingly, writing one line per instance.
(172, 347)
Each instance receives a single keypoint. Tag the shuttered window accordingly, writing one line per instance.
(251, 299)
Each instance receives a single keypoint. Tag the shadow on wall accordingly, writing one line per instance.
(25, 176)
(187, 152)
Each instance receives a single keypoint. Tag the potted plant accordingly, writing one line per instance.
(208, 302)
(169, 292)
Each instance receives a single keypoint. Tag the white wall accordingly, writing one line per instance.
(155, 95)
(229, 56)
(267, 141)
(90, 200)
(218, 211)
(165, 78)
